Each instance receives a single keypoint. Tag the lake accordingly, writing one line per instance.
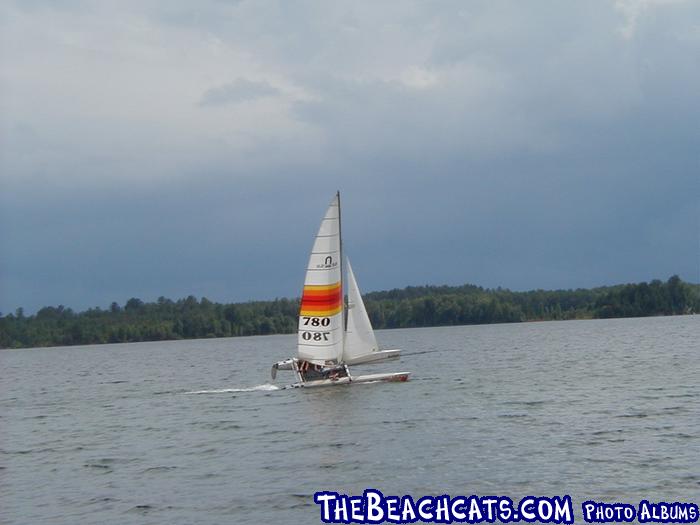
(188, 432)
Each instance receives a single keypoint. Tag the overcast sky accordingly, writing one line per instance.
(171, 148)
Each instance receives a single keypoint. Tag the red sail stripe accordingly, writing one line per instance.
(320, 300)
(321, 306)
(321, 297)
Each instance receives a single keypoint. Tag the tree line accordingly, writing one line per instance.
(413, 306)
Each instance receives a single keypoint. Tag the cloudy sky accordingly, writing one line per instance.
(174, 147)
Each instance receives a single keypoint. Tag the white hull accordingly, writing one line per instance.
(396, 377)
(375, 357)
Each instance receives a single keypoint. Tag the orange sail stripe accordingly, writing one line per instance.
(321, 300)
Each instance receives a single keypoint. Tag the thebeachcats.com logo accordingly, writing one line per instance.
(375, 507)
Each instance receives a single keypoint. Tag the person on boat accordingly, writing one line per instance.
(334, 372)
(310, 371)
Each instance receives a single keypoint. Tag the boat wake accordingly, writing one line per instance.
(258, 388)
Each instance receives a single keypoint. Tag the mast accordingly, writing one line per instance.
(344, 319)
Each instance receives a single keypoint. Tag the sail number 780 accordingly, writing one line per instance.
(316, 321)
(315, 336)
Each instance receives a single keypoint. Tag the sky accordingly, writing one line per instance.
(172, 148)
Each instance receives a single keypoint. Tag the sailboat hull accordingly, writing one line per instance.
(396, 377)
(375, 357)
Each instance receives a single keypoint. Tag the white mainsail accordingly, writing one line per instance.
(320, 335)
(359, 335)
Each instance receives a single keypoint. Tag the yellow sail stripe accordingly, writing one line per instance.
(321, 287)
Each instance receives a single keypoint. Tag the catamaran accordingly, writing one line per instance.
(331, 334)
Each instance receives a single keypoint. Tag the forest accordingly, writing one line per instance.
(414, 306)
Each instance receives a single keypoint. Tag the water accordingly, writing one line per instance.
(192, 432)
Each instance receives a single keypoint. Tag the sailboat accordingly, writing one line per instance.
(332, 335)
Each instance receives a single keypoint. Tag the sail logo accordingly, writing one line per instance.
(328, 263)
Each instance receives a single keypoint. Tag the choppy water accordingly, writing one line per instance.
(192, 432)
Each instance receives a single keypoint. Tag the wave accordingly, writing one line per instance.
(266, 387)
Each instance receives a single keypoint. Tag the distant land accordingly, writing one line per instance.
(414, 306)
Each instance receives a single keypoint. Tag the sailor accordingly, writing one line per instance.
(310, 371)
(334, 372)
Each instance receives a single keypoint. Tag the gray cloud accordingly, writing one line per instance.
(539, 145)
(241, 90)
